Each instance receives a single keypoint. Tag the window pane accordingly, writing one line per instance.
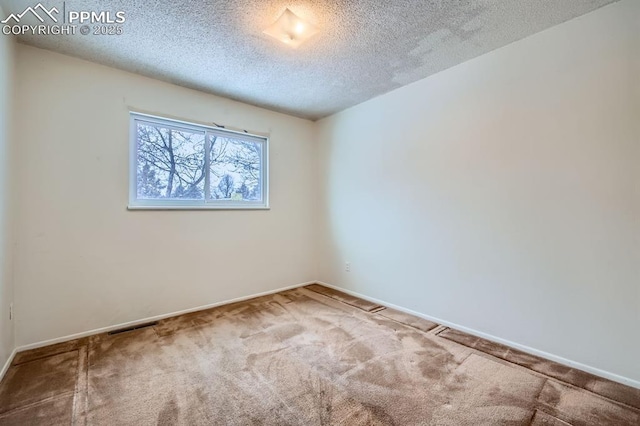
(235, 169)
(170, 163)
(180, 165)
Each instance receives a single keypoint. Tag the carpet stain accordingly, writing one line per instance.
(169, 414)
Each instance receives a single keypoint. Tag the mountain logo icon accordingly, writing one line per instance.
(34, 11)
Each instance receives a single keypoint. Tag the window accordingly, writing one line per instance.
(178, 165)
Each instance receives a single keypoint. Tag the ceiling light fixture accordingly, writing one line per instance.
(291, 29)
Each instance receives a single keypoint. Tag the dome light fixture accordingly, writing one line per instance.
(291, 29)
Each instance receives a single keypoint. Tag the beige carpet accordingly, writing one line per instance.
(310, 356)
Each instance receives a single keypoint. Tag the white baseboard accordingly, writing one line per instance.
(523, 348)
(151, 319)
(529, 350)
(8, 363)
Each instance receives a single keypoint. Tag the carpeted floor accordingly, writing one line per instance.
(310, 356)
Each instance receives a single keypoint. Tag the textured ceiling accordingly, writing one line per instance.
(365, 47)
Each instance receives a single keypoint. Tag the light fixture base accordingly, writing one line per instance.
(291, 30)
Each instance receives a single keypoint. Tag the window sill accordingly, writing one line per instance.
(203, 207)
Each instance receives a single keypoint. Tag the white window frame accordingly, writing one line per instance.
(211, 204)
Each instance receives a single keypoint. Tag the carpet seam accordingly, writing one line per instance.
(538, 403)
(377, 307)
(407, 325)
(555, 412)
(43, 357)
(437, 333)
(579, 389)
(23, 407)
(81, 395)
(631, 407)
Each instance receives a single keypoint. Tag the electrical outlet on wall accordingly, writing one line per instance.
(347, 266)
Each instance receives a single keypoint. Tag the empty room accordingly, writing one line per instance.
(347, 212)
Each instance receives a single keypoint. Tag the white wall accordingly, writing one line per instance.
(6, 201)
(83, 260)
(503, 194)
